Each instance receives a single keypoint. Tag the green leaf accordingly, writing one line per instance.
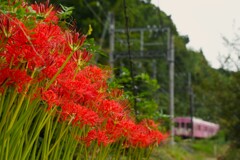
(66, 12)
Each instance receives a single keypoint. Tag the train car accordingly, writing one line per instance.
(201, 128)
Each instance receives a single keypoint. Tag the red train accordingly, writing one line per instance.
(201, 128)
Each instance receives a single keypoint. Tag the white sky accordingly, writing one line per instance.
(205, 22)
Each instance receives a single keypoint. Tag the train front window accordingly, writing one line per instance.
(189, 125)
(182, 125)
(176, 124)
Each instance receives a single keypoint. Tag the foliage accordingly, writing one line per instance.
(146, 103)
(222, 95)
(230, 112)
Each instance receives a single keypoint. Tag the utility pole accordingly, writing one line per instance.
(191, 102)
(106, 24)
(171, 84)
(154, 55)
(111, 40)
(141, 45)
(154, 66)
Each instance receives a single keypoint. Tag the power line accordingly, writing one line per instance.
(94, 13)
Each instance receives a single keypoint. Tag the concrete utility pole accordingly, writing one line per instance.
(141, 45)
(111, 40)
(154, 68)
(153, 55)
(141, 42)
(191, 102)
(106, 25)
(171, 84)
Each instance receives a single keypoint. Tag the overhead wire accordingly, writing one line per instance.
(93, 12)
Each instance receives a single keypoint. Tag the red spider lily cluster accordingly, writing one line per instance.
(55, 61)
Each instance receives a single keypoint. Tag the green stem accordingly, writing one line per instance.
(16, 112)
(7, 148)
(34, 151)
(39, 116)
(20, 103)
(12, 99)
(2, 98)
(5, 112)
(59, 70)
(86, 152)
(104, 151)
(59, 138)
(80, 134)
(45, 140)
(149, 153)
(118, 149)
(46, 117)
(139, 153)
(130, 153)
(71, 144)
(124, 150)
(75, 74)
(95, 150)
(135, 153)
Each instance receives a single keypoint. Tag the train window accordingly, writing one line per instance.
(189, 125)
(199, 127)
(176, 124)
(212, 130)
(182, 125)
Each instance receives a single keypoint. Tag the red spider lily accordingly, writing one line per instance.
(74, 40)
(14, 77)
(158, 137)
(13, 2)
(136, 135)
(16, 46)
(150, 124)
(79, 115)
(80, 92)
(46, 40)
(47, 37)
(33, 46)
(86, 116)
(50, 97)
(97, 75)
(79, 56)
(116, 93)
(114, 130)
(142, 136)
(99, 136)
(5, 27)
(124, 126)
(53, 64)
(111, 108)
(47, 11)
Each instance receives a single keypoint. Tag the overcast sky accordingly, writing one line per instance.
(205, 22)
